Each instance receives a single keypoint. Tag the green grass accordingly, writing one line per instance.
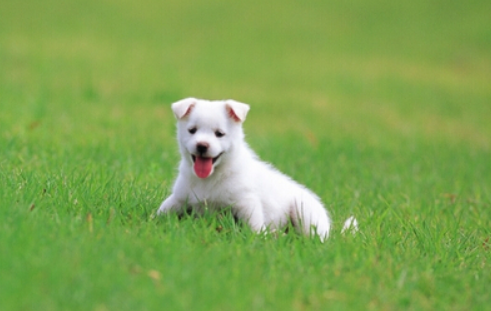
(380, 107)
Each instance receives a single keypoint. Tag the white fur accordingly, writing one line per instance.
(257, 193)
(350, 225)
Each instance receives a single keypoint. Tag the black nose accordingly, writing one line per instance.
(202, 147)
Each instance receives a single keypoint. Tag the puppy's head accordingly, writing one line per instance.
(207, 131)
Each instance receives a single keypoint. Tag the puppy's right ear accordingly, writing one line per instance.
(237, 111)
(183, 107)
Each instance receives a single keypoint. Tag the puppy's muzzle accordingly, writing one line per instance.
(202, 148)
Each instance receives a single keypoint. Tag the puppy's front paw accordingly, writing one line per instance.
(167, 206)
(161, 210)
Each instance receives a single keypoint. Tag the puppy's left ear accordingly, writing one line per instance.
(237, 111)
(183, 107)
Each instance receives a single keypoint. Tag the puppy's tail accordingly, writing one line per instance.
(350, 226)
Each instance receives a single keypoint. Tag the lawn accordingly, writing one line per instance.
(382, 108)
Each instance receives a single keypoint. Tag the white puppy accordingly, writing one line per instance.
(218, 170)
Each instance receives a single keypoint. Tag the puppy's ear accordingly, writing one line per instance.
(237, 111)
(183, 107)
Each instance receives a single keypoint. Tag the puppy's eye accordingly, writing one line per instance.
(219, 133)
(192, 130)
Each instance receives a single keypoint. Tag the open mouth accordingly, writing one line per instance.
(213, 160)
(203, 166)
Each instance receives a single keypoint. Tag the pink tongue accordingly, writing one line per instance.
(203, 166)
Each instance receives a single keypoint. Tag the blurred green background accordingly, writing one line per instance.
(404, 68)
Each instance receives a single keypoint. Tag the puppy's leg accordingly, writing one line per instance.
(176, 201)
(310, 217)
(251, 211)
(170, 205)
